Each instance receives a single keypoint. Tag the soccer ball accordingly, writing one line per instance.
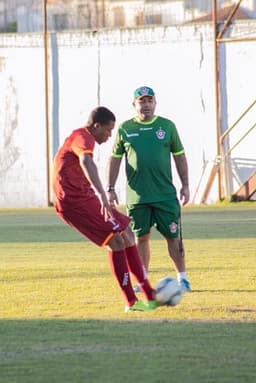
(168, 291)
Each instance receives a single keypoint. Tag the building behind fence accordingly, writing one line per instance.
(27, 15)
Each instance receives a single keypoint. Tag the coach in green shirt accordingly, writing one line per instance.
(147, 142)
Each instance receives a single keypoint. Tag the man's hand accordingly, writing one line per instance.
(184, 195)
(106, 209)
(112, 198)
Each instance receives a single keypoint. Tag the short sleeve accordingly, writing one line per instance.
(83, 143)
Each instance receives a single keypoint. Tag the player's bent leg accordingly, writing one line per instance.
(137, 269)
(119, 268)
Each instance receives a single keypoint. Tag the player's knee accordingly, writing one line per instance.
(116, 243)
(128, 237)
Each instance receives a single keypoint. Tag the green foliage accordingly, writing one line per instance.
(61, 313)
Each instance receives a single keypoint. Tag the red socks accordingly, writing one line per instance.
(121, 262)
(137, 269)
(119, 268)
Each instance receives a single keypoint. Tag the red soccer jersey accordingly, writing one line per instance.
(70, 185)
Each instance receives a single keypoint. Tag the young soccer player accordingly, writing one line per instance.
(80, 200)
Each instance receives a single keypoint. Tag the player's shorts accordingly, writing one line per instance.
(164, 215)
(88, 220)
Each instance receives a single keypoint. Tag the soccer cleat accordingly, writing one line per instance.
(185, 285)
(141, 306)
(136, 289)
(152, 305)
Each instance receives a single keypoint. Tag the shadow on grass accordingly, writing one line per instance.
(75, 351)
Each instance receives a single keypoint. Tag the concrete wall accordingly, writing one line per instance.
(87, 69)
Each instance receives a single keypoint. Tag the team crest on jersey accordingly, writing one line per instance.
(173, 227)
(160, 133)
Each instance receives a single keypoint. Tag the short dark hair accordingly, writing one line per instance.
(101, 115)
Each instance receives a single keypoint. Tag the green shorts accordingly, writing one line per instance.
(165, 216)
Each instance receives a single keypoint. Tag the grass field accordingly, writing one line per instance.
(61, 313)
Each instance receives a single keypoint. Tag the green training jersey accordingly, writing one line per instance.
(147, 147)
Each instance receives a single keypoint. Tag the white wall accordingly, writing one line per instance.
(87, 69)
(22, 127)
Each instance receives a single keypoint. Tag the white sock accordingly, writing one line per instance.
(181, 275)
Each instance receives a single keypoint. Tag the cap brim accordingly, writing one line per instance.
(144, 95)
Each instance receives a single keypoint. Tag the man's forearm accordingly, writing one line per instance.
(91, 172)
(113, 170)
(182, 169)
